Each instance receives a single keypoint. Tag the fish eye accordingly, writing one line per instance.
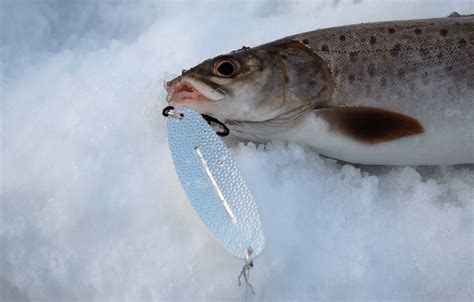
(225, 68)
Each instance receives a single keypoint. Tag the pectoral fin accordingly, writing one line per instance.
(370, 125)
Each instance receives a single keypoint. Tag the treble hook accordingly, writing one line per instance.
(245, 273)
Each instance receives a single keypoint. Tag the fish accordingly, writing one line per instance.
(382, 93)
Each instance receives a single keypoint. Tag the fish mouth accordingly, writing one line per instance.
(190, 91)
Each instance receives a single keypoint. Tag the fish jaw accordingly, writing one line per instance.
(188, 92)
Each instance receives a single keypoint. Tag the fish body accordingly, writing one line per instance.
(397, 93)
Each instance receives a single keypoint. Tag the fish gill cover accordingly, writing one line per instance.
(91, 208)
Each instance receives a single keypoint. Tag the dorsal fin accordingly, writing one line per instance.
(370, 125)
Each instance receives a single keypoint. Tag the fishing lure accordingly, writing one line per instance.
(214, 185)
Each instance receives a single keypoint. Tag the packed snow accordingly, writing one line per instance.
(91, 207)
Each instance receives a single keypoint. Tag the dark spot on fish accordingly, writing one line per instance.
(462, 43)
(325, 47)
(424, 53)
(353, 56)
(336, 71)
(373, 40)
(371, 70)
(443, 32)
(448, 69)
(425, 78)
(440, 55)
(312, 83)
(391, 30)
(418, 31)
(305, 41)
(395, 50)
(351, 79)
(401, 74)
(342, 38)
(284, 57)
(383, 82)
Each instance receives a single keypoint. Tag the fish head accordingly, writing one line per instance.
(275, 81)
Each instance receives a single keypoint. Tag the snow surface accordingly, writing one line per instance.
(91, 208)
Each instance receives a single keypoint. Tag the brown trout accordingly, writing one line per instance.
(392, 93)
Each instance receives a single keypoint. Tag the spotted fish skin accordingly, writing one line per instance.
(390, 93)
(398, 63)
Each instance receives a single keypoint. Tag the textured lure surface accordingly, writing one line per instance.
(398, 92)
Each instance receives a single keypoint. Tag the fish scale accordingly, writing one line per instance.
(399, 54)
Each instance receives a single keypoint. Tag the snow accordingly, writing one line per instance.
(91, 208)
